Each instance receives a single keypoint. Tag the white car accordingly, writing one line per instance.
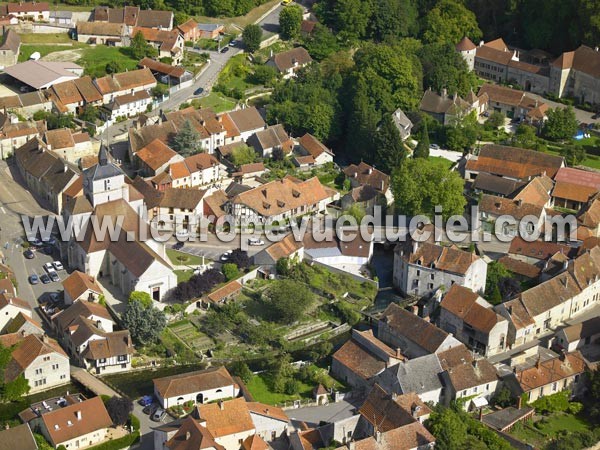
(255, 241)
(225, 256)
(182, 234)
(57, 265)
(48, 267)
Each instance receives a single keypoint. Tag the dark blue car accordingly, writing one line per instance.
(146, 400)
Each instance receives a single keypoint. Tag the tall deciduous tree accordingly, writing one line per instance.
(444, 68)
(448, 22)
(321, 42)
(287, 300)
(140, 47)
(561, 124)
(352, 18)
(393, 19)
(243, 155)
(420, 185)
(252, 35)
(290, 20)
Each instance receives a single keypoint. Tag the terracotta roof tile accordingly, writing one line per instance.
(27, 349)
(156, 154)
(359, 360)
(78, 283)
(64, 424)
(555, 369)
(470, 308)
(227, 417)
(286, 60)
(366, 174)
(232, 288)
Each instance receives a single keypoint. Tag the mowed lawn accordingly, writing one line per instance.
(46, 38)
(183, 259)
(553, 426)
(259, 388)
(218, 102)
(95, 59)
(43, 49)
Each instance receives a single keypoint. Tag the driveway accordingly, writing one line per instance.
(146, 426)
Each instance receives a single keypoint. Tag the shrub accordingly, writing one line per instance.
(230, 271)
(558, 402)
(134, 422)
(118, 444)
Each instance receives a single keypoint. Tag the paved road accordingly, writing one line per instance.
(92, 383)
(269, 23)
(14, 201)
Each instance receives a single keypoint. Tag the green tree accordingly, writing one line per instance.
(252, 36)
(142, 297)
(422, 150)
(15, 389)
(114, 66)
(420, 185)
(321, 43)
(495, 121)
(140, 48)
(448, 22)
(503, 398)
(41, 442)
(444, 68)
(241, 369)
(449, 430)
(351, 18)
(389, 145)
(561, 124)
(573, 154)
(186, 141)
(356, 211)
(525, 136)
(290, 20)
(243, 155)
(89, 114)
(393, 19)
(286, 308)
(230, 271)
(264, 74)
(593, 394)
(462, 135)
(496, 272)
(144, 324)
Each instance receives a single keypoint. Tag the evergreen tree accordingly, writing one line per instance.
(390, 149)
(422, 150)
(186, 140)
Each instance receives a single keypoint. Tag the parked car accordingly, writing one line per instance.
(57, 265)
(45, 279)
(53, 275)
(286, 2)
(29, 254)
(434, 147)
(225, 256)
(35, 241)
(255, 241)
(48, 267)
(34, 279)
(233, 43)
(150, 409)
(224, 49)
(49, 240)
(177, 245)
(158, 415)
(146, 400)
(54, 297)
(198, 91)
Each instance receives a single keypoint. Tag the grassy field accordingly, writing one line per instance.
(553, 426)
(218, 102)
(44, 49)
(95, 59)
(259, 388)
(183, 275)
(183, 259)
(441, 161)
(64, 6)
(46, 38)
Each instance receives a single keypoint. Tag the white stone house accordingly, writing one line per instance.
(579, 335)
(127, 105)
(269, 421)
(421, 268)
(39, 359)
(198, 387)
(79, 286)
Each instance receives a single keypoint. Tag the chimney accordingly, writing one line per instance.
(221, 406)
(65, 168)
(563, 355)
(45, 338)
(394, 396)
(481, 43)
(351, 445)
(444, 92)
(415, 411)
(398, 353)
(538, 362)
(370, 171)
(378, 436)
(474, 364)
(78, 414)
(188, 435)
(382, 185)
(99, 324)
(519, 202)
